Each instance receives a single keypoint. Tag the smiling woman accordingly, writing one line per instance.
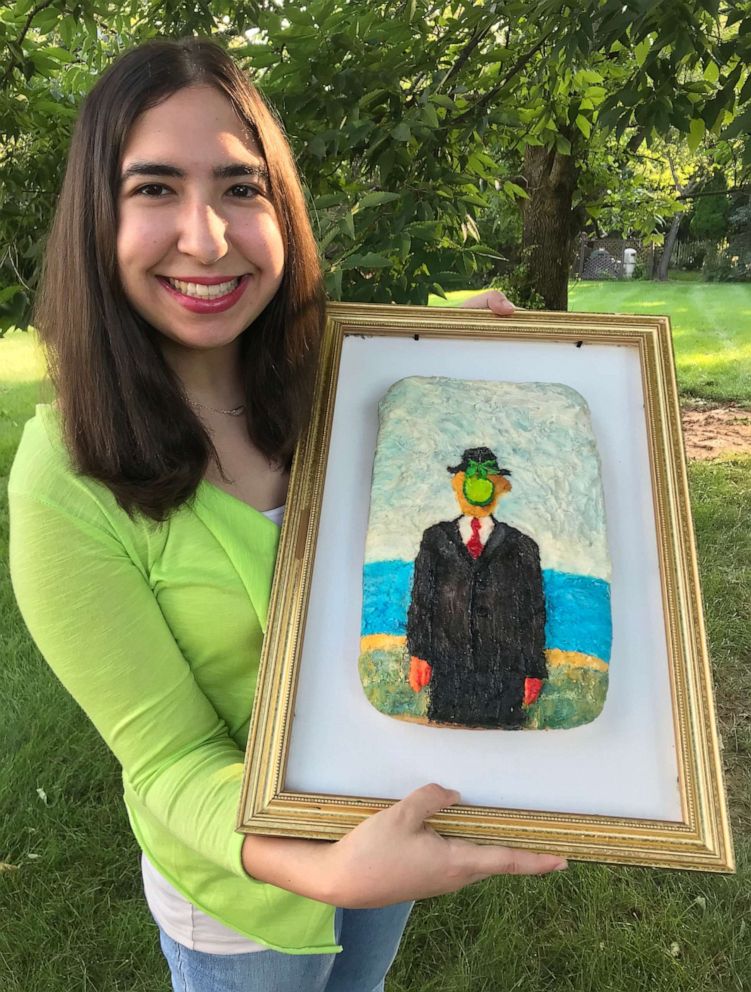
(198, 241)
(179, 174)
(181, 309)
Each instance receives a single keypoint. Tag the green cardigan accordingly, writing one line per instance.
(156, 631)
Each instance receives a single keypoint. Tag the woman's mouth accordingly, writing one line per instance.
(208, 296)
(202, 291)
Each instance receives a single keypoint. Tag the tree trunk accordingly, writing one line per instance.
(667, 252)
(549, 224)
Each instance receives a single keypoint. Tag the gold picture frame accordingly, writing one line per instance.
(291, 790)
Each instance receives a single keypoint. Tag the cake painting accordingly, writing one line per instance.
(486, 584)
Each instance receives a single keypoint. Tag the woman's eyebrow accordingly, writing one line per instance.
(230, 171)
(234, 171)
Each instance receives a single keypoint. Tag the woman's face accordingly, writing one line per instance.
(199, 249)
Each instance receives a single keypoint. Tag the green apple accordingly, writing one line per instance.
(478, 492)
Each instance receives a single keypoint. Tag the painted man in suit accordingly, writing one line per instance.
(476, 621)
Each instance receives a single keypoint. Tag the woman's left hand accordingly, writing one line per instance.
(491, 299)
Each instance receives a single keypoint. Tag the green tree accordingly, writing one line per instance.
(629, 75)
(711, 216)
(403, 115)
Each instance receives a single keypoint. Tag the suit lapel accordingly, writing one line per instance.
(459, 548)
(495, 542)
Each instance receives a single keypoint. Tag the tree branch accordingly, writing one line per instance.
(495, 90)
(478, 35)
(12, 63)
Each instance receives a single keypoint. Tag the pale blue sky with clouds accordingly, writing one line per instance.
(541, 432)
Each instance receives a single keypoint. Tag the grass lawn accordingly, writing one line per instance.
(73, 918)
(711, 328)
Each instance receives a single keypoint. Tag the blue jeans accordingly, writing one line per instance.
(370, 938)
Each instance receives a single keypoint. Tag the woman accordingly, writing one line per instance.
(180, 308)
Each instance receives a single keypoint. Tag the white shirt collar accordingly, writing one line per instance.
(486, 528)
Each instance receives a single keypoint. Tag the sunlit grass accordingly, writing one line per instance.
(711, 324)
(73, 914)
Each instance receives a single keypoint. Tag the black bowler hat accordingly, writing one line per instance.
(484, 461)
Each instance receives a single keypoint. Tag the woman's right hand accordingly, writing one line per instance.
(390, 857)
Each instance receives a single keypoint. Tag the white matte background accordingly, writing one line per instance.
(624, 762)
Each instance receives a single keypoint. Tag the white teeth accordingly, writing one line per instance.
(201, 292)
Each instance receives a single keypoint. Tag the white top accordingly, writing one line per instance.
(179, 918)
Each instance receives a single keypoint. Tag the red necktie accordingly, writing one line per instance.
(474, 544)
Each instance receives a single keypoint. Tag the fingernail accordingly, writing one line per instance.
(562, 866)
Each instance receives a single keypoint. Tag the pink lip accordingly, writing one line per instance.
(206, 306)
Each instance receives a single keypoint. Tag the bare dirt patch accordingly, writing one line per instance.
(713, 431)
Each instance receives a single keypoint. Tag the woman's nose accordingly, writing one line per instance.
(203, 233)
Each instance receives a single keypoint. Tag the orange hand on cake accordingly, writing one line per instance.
(532, 688)
(419, 673)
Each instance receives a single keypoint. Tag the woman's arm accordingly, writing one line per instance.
(390, 857)
(90, 608)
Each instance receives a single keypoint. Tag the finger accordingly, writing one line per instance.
(499, 303)
(493, 300)
(425, 801)
(477, 302)
(514, 861)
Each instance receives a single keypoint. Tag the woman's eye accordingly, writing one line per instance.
(244, 192)
(152, 190)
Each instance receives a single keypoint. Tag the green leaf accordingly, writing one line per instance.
(297, 16)
(511, 189)
(333, 283)
(587, 76)
(695, 134)
(401, 132)
(425, 230)
(711, 72)
(429, 116)
(745, 94)
(58, 54)
(66, 29)
(46, 20)
(368, 260)
(741, 125)
(642, 50)
(330, 200)
(442, 101)
(371, 99)
(374, 199)
(58, 109)
(347, 225)
(584, 124)
(562, 145)
(9, 292)
(471, 226)
(43, 65)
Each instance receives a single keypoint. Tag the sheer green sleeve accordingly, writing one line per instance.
(88, 604)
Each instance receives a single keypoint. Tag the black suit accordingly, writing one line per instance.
(480, 623)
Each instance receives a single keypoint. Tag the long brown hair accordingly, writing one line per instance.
(125, 417)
